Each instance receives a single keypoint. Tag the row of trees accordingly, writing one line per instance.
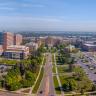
(65, 58)
(16, 79)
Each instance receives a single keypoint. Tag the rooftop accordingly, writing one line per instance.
(90, 45)
(17, 47)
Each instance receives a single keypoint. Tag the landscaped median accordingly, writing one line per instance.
(40, 74)
(38, 81)
(54, 69)
(56, 85)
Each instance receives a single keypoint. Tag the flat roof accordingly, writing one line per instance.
(90, 45)
(16, 47)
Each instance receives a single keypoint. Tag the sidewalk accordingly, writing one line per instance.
(58, 76)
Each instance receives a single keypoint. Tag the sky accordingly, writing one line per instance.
(48, 15)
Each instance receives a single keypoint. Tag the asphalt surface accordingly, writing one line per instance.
(89, 68)
(46, 87)
(10, 94)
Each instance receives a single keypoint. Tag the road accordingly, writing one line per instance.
(46, 87)
(5, 93)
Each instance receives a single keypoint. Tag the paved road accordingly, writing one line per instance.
(47, 85)
(10, 94)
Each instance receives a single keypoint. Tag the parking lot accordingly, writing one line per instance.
(4, 69)
(89, 67)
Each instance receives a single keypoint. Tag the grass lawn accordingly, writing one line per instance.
(44, 61)
(56, 85)
(63, 68)
(54, 69)
(38, 81)
(53, 59)
(80, 83)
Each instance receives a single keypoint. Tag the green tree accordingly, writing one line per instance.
(71, 64)
(13, 77)
(70, 84)
(79, 73)
(14, 86)
(29, 79)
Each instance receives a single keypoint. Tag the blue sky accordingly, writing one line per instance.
(48, 15)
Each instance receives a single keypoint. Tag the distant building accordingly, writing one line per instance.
(51, 41)
(89, 47)
(1, 50)
(8, 39)
(17, 39)
(10, 46)
(1, 38)
(70, 48)
(32, 46)
(16, 52)
(39, 41)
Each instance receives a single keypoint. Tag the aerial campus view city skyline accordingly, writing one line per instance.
(48, 15)
(47, 48)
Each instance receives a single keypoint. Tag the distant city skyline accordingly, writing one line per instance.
(48, 15)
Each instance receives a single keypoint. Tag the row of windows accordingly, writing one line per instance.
(13, 55)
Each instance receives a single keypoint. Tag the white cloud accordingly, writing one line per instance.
(7, 8)
(32, 5)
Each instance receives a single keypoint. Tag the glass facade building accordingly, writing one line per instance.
(1, 38)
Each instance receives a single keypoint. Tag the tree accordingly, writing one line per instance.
(71, 62)
(0, 83)
(22, 69)
(70, 84)
(79, 73)
(13, 79)
(33, 66)
(82, 91)
(29, 79)
(14, 86)
(94, 88)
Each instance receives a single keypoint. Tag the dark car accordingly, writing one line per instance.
(94, 81)
(41, 92)
(94, 72)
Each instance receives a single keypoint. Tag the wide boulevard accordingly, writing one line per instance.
(47, 85)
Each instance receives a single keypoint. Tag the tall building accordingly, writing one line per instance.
(1, 50)
(10, 46)
(1, 38)
(17, 39)
(8, 39)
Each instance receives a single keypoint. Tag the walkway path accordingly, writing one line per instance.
(62, 92)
